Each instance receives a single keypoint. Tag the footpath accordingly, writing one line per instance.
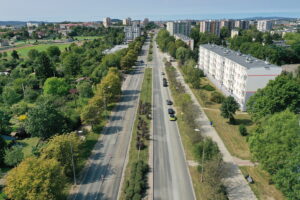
(236, 185)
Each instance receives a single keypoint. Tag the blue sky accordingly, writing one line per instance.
(94, 10)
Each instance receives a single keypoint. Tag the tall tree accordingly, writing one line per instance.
(228, 108)
(35, 178)
(56, 86)
(15, 55)
(71, 64)
(43, 66)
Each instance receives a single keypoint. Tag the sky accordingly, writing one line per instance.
(95, 10)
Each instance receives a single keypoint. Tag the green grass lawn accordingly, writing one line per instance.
(40, 47)
(81, 38)
(134, 154)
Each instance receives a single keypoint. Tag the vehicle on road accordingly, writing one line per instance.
(163, 73)
(171, 111)
(164, 79)
(172, 117)
(165, 84)
(169, 102)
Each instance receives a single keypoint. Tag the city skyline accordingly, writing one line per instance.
(93, 10)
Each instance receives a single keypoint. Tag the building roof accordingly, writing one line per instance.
(242, 59)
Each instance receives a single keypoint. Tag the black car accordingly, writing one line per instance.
(164, 79)
(169, 102)
(171, 111)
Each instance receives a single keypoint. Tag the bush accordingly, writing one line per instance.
(13, 156)
(217, 97)
(208, 88)
(243, 130)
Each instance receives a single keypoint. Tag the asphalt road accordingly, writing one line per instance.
(101, 179)
(170, 172)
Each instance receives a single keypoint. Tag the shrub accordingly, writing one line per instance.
(243, 130)
(208, 88)
(217, 97)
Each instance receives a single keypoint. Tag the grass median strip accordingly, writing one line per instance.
(135, 183)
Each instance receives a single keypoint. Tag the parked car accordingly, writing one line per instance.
(163, 73)
(169, 102)
(171, 111)
(165, 84)
(172, 117)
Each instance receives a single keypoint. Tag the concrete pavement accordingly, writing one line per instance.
(171, 177)
(101, 179)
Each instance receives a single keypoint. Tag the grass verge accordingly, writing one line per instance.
(134, 154)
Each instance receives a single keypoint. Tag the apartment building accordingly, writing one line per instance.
(179, 27)
(235, 74)
(146, 21)
(127, 21)
(106, 22)
(211, 26)
(234, 32)
(241, 24)
(132, 32)
(227, 23)
(264, 25)
(187, 40)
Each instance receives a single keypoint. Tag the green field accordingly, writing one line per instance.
(80, 38)
(41, 47)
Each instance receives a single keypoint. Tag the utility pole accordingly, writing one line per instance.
(73, 166)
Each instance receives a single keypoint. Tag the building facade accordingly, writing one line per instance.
(132, 32)
(264, 25)
(127, 21)
(187, 40)
(235, 74)
(241, 24)
(179, 27)
(234, 32)
(211, 26)
(106, 22)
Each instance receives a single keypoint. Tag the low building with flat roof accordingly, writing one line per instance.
(234, 73)
(187, 40)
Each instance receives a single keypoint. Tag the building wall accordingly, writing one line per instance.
(234, 78)
(264, 25)
(179, 27)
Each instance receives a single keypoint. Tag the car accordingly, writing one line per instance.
(165, 84)
(169, 102)
(171, 111)
(164, 79)
(163, 73)
(172, 117)
(142, 61)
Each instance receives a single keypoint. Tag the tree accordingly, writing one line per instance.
(10, 95)
(228, 108)
(243, 130)
(172, 49)
(62, 148)
(2, 149)
(43, 66)
(225, 33)
(276, 145)
(15, 55)
(85, 89)
(44, 121)
(278, 95)
(71, 64)
(91, 114)
(182, 54)
(56, 86)
(32, 54)
(53, 51)
(35, 178)
(13, 156)
(211, 150)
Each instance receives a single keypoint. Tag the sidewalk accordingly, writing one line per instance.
(236, 185)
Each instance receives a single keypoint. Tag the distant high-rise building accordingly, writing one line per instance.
(179, 27)
(211, 26)
(264, 25)
(106, 22)
(127, 21)
(242, 24)
(146, 21)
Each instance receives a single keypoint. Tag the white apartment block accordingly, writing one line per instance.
(264, 25)
(179, 27)
(106, 22)
(187, 40)
(132, 32)
(235, 74)
(234, 32)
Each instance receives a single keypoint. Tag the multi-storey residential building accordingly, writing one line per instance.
(211, 26)
(227, 23)
(189, 41)
(235, 74)
(146, 21)
(132, 32)
(264, 25)
(127, 21)
(179, 27)
(106, 22)
(242, 24)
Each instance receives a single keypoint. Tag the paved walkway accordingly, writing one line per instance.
(236, 185)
